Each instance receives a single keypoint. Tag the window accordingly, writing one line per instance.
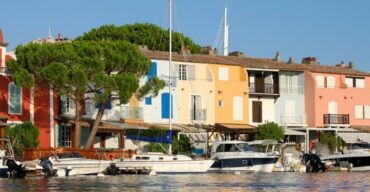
(148, 101)
(367, 111)
(153, 71)
(15, 99)
(320, 81)
(359, 112)
(223, 74)
(182, 72)
(330, 82)
(358, 82)
(221, 103)
(65, 136)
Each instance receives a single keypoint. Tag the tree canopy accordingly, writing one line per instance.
(269, 130)
(155, 37)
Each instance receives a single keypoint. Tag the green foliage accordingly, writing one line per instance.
(155, 37)
(22, 136)
(330, 139)
(269, 130)
(182, 146)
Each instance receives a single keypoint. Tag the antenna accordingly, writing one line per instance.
(226, 35)
(49, 36)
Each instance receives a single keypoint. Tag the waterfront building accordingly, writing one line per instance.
(19, 104)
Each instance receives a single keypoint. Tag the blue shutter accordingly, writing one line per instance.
(148, 101)
(153, 71)
(108, 105)
(85, 132)
(165, 105)
(57, 135)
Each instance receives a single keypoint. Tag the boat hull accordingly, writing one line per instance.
(79, 167)
(179, 166)
(261, 164)
(353, 162)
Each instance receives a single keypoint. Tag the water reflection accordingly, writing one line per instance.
(332, 181)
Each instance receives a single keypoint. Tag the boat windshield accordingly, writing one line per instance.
(245, 147)
(238, 147)
(69, 155)
(362, 145)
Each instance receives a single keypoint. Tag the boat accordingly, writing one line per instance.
(9, 167)
(240, 156)
(356, 158)
(73, 163)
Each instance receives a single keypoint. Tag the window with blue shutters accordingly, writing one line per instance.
(108, 105)
(166, 105)
(153, 71)
(148, 101)
(15, 99)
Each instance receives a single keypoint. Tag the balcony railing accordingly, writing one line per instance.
(336, 119)
(266, 88)
(299, 90)
(198, 114)
(131, 112)
(293, 120)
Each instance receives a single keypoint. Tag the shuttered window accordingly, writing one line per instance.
(330, 82)
(183, 72)
(15, 99)
(320, 81)
(360, 83)
(223, 74)
(359, 113)
(367, 111)
(257, 111)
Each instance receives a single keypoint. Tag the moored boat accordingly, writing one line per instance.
(240, 156)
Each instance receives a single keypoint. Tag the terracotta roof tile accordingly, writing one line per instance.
(250, 62)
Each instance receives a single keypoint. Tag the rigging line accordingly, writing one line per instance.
(182, 42)
(218, 35)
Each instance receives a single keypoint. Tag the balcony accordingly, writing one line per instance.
(264, 89)
(336, 119)
(198, 114)
(294, 120)
(131, 114)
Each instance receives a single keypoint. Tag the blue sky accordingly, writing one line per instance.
(331, 30)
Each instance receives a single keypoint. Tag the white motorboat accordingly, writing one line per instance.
(240, 156)
(9, 167)
(73, 163)
(356, 158)
(163, 163)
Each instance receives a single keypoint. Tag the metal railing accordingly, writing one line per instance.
(293, 119)
(266, 88)
(198, 114)
(336, 119)
(131, 112)
(299, 90)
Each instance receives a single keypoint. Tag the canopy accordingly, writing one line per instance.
(355, 137)
(293, 132)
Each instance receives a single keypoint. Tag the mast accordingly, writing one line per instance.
(169, 77)
(226, 35)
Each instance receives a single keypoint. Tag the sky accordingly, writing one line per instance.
(330, 30)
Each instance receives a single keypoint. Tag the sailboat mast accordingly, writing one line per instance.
(226, 35)
(169, 76)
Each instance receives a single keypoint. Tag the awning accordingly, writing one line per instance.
(361, 128)
(180, 127)
(235, 128)
(292, 132)
(355, 137)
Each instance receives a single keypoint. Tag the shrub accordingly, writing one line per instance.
(22, 136)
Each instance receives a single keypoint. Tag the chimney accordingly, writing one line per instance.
(184, 50)
(237, 54)
(208, 50)
(143, 48)
(277, 57)
(351, 65)
(341, 64)
(290, 61)
(309, 60)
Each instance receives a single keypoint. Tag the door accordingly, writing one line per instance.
(165, 105)
(196, 111)
(259, 83)
(257, 111)
(333, 111)
(238, 108)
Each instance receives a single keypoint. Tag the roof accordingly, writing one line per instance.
(181, 128)
(193, 58)
(361, 128)
(235, 128)
(293, 132)
(250, 62)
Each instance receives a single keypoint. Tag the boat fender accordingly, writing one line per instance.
(110, 156)
(152, 173)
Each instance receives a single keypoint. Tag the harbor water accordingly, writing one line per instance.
(288, 181)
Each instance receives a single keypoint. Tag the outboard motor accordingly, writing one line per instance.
(313, 163)
(15, 170)
(47, 167)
